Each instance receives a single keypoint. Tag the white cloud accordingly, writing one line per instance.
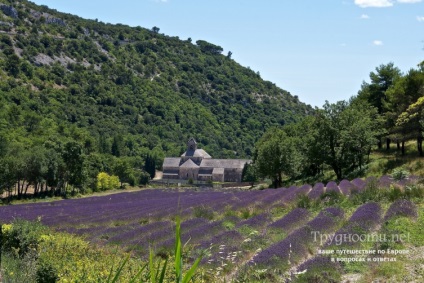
(383, 3)
(365, 17)
(377, 42)
(420, 19)
(409, 1)
(375, 3)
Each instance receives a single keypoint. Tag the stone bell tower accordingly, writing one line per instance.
(191, 144)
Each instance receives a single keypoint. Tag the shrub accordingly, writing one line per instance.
(303, 201)
(399, 174)
(203, 212)
(21, 236)
(107, 182)
(394, 193)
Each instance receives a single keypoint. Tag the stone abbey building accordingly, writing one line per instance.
(197, 164)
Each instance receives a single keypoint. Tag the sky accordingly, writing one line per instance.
(316, 49)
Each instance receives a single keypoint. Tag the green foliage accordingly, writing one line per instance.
(249, 173)
(59, 257)
(203, 212)
(399, 174)
(340, 136)
(303, 201)
(277, 155)
(179, 258)
(22, 237)
(346, 133)
(318, 275)
(332, 198)
(150, 165)
(107, 182)
(370, 193)
(207, 47)
(126, 94)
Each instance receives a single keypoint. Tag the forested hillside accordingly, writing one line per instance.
(101, 90)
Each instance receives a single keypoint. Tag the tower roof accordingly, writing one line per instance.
(196, 153)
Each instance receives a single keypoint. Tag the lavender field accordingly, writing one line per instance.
(242, 229)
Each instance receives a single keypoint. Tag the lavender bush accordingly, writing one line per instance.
(401, 207)
(359, 184)
(346, 187)
(291, 220)
(332, 187)
(363, 220)
(316, 191)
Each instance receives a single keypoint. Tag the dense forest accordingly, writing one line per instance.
(79, 97)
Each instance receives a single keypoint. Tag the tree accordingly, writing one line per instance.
(277, 155)
(73, 160)
(12, 65)
(405, 108)
(150, 166)
(124, 171)
(210, 48)
(7, 174)
(117, 146)
(155, 29)
(381, 80)
(375, 93)
(346, 134)
(249, 173)
(413, 120)
(35, 168)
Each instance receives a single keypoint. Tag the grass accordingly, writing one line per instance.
(383, 162)
(31, 252)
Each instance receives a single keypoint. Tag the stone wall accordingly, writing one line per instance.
(188, 173)
(232, 175)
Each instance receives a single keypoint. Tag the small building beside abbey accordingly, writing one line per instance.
(197, 164)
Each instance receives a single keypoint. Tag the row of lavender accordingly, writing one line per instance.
(156, 204)
(146, 218)
(346, 187)
(365, 219)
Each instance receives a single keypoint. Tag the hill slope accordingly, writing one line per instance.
(126, 91)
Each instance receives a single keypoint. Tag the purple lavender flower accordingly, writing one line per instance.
(401, 207)
(317, 191)
(291, 220)
(385, 181)
(326, 220)
(292, 248)
(358, 184)
(345, 187)
(363, 220)
(332, 187)
(256, 221)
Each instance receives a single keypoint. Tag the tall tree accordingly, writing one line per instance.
(404, 106)
(150, 165)
(375, 91)
(277, 155)
(73, 159)
(346, 134)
